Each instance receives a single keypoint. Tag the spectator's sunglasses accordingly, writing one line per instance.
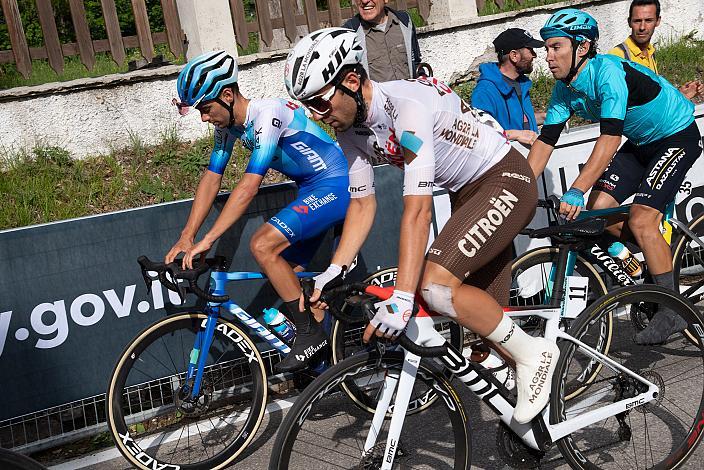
(320, 104)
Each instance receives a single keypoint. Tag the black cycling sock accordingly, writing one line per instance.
(302, 320)
(665, 280)
(310, 342)
(665, 322)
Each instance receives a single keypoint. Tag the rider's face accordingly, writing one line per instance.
(215, 113)
(643, 22)
(559, 57)
(342, 108)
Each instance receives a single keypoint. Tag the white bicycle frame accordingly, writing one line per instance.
(421, 331)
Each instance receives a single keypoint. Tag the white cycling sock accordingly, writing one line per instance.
(516, 341)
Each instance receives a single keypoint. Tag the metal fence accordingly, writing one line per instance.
(87, 417)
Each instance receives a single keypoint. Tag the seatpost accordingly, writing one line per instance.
(558, 291)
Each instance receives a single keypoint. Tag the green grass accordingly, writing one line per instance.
(491, 8)
(73, 69)
(681, 60)
(45, 183)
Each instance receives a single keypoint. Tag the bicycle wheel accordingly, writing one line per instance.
(150, 414)
(347, 340)
(687, 256)
(530, 273)
(10, 460)
(659, 434)
(322, 430)
(529, 286)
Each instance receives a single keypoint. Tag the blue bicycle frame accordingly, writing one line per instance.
(204, 337)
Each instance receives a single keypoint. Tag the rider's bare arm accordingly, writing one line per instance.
(236, 204)
(538, 156)
(358, 223)
(415, 227)
(205, 195)
(604, 150)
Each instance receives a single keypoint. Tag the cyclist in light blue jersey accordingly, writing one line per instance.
(280, 136)
(629, 100)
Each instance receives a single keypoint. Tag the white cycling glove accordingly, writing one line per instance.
(322, 279)
(392, 315)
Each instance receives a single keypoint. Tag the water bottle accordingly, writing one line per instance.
(630, 263)
(280, 324)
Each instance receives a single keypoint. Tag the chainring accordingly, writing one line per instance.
(514, 452)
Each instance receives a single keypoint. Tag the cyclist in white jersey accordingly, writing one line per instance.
(437, 139)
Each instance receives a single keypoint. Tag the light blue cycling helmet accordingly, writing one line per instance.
(571, 23)
(204, 77)
(577, 25)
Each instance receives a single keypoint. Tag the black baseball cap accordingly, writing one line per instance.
(513, 39)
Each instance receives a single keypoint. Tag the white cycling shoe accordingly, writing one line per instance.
(534, 380)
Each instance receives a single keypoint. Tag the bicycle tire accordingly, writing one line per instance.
(651, 428)
(343, 334)
(548, 256)
(320, 405)
(685, 267)
(11, 460)
(234, 371)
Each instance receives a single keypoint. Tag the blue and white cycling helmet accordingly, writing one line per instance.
(204, 77)
(571, 23)
(577, 25)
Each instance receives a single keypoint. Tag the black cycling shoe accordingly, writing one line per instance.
(664, 324)
(308, 349)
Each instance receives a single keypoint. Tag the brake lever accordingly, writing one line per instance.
(172, 284)
(147, 279)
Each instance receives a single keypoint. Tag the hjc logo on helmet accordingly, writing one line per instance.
(335, 62)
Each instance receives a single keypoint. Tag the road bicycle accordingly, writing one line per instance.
(191, 389)
(643, 409)
(533, 272)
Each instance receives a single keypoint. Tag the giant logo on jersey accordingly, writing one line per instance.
(315, 160)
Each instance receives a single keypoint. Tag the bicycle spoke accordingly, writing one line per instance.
(175, 427)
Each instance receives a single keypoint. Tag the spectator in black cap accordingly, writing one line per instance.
(503, 88)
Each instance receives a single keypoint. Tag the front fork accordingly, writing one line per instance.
(403, 386)
(196, 364)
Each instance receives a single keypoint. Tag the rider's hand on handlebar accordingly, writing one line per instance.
(181, 246)
(202, 248)
(391, 317)
(571, 203)
(322, 280)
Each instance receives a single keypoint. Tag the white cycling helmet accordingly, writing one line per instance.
(317, 59)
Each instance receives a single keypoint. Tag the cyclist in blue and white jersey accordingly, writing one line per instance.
(425, 129)
(281, 137)
(627, 99)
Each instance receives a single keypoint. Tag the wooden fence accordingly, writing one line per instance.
(85, 46)
(315, 19)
